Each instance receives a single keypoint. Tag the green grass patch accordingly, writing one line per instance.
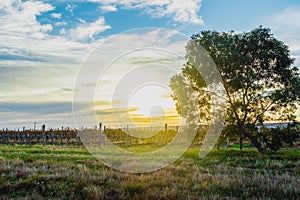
(70, 172)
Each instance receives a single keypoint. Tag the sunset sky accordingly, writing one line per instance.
(44, 44)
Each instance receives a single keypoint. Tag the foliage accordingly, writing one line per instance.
(259, 78)
(275, 138)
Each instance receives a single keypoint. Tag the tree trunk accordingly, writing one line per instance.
(254, 140)
(258, 145)
(241, 142)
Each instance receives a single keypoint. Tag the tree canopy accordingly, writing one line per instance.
(260, 80)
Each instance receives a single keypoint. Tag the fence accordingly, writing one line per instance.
(101, 135)
(44, 137)
(159, 136)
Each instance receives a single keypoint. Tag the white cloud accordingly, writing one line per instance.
(30, 54)
(70, 8)
(46, 28)
(19, 18)
(286, 18)
(88, 31)
(180, 10)
(126, 60)
(183, 11)
(108, 8)
(34, 55)
(56, 15)
(21, 35)
(81, 20)
(286, 27)
(60, 23)
(62, 31)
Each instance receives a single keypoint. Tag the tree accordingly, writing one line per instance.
(259, 78)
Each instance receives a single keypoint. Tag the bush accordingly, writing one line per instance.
(275, 138)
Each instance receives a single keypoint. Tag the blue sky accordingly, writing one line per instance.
(44, 43)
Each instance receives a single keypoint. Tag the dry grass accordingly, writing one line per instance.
(71, 173)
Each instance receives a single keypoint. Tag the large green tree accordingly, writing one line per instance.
(261, 84)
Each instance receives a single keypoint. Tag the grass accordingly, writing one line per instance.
(55, 172)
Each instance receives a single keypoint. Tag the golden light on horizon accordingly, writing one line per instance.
(135, 91)
(148, 106)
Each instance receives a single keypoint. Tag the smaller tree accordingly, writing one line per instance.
(276, 138)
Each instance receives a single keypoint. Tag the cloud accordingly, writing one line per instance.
(46, 28)
(286, 18)
(56, 15)
(182, 11)
(287, 28)
(37, 66)
(70, 8)
(24, 38)
(60, 23)
(81, 20)
(38, 108)
(285, 25)
(108, 8)
(30, 54)
(16, 115)
(88, 31)
(62, 31)
(122, 76)
(20, 18)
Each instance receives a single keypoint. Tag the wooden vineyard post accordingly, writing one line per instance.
(23, 135)
(7, 136)
(52, 138)
(18, 135)
(102, 142)
(29, 137)
(100, 127)
(2, 135)
(61, 135)
(43, 135)
(77, 138)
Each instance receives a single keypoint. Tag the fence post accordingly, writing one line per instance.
(62, 135)
(18, 135)
(52, 138)
(43, 135)
(77, 137)
(100, 127)
(23, 135)
(7, 136)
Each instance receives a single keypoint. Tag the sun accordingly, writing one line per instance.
(153, 103)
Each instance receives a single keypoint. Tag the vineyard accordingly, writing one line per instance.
(118, 136)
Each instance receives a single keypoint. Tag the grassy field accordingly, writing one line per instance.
(54, 172)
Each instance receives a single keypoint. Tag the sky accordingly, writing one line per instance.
(44, 45)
